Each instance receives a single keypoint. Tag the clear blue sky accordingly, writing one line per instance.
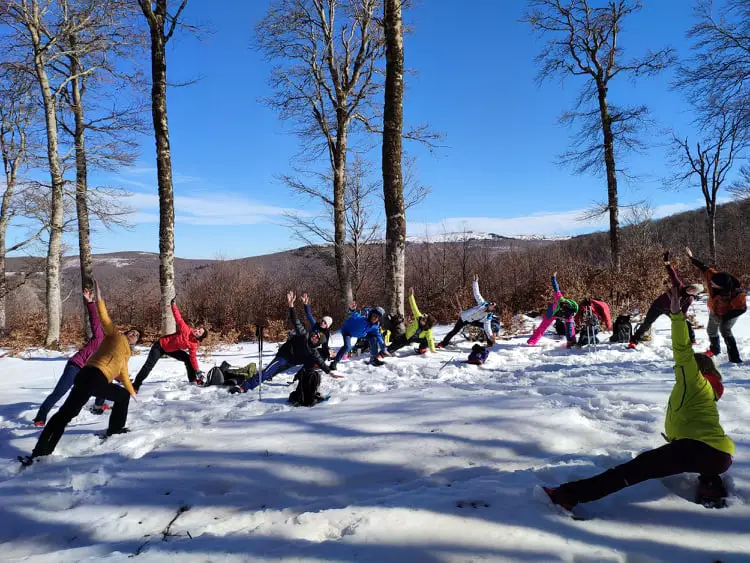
(474, 81)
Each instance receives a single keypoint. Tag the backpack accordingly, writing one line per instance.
(306, 394)
(478, 355)
(559, 327)
(214, 377)
(622, 330)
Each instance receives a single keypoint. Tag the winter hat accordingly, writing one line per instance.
(710, 371)
(697, 287)
(723, 280)
(328, 320)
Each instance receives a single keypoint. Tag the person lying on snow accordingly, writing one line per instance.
(75, 363)
(662, 304)
(109, 362)
(726, 302)
(323, 327)
(697, 442)
(300, 348)
(181, 345)
(363, 327)
(560, 308)
(419, 330)
(482, 312)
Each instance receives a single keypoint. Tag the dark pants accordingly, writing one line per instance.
(89, 381)
(154, 355)
(460, 323)
(347, 347)
(721, 325)
(63, 385)
(680, 456)
(277, 365)
(651, 316)
(401, 341)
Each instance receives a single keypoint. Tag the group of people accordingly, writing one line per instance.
(696, 440)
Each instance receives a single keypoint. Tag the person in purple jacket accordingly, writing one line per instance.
(76, 363)
(661, 305)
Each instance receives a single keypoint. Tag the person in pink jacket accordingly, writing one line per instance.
(560, 308)
(75, 363)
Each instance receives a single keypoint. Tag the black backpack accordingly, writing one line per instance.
(560, 327)
(214, 376)
(622, 330)
(306, 394)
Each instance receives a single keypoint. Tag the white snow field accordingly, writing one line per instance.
(425, 459)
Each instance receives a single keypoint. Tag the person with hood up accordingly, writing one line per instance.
(109, 362)
(560, 308)
(696, 441)
(419, 330)
(181, 345)
(363, 326)
(323, 327)
(483, 312)
(662, 304)
(726, 302)
(301, 348)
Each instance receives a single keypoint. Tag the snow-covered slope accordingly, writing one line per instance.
(425, 459)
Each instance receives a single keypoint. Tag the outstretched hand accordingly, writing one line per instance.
(476, 277)
(411, 291)
(97, 291)
(173, 301)
(674, 300)
(88, 295)
(305, 299)
(667, 256)
(689, 252)
(554, 274)
(291, 298)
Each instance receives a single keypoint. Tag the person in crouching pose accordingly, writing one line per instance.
(419, 330)
(697, 442)
(109, 362)
(365, 327)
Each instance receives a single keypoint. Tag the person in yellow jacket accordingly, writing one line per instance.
(108, 363)
(419, 330)
(697, 442)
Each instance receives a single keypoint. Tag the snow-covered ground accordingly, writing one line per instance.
(425, 459)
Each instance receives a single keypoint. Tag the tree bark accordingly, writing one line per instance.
(711, 227)
(393, 189)
(156, 22)
(82, 210)
(609, 162)
(339, 216)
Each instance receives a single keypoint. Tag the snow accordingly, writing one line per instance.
(424, 459)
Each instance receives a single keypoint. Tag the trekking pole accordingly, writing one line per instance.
(259, 333)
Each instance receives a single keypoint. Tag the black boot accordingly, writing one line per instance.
(715, 345)
(732, 351)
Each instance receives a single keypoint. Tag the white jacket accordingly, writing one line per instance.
(479, 312)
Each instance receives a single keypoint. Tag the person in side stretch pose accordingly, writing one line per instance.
(419, 330)
(482, 312)
(560, 308)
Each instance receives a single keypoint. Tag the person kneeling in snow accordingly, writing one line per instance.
(560, 308)
(109, 362)
(662, 303)
(419, 330)
(175, 345)
(482, 312)
(697, 442)
(366, 327)
(300, 348)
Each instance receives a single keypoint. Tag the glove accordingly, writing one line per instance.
(200, 378)
(235, 389)
(174, 299)
(667, 256)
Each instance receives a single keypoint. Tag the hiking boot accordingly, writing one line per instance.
(422, 351)
(632, 345)
(39, 423)
(711, 488)
(99, 409)
(715, 347)
(440, 346)
(377, 362)
(333, 365)
(559, 498)
(120, 431)
(732, 351)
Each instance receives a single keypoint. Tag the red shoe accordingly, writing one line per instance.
(39, 423)
(106, 407)
(631, 345)
(440, 346)
(558, 499)
(709, 353)
(422, 351)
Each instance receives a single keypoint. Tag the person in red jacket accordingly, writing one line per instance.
(181, 345)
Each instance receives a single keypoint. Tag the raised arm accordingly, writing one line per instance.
(697, 263)
(298, 326)
(475, 288)
(413, 304)
(181, 325)
(97, 335)
(555, 285)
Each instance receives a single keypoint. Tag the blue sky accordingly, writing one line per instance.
(474, 81)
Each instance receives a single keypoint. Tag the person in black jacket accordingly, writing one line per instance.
(301, 348)
(323, 326)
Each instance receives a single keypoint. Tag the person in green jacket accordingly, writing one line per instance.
(419, 330)
(697, 442)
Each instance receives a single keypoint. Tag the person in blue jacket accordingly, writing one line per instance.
(322, 326)
(363, 326)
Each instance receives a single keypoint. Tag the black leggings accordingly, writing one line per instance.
(680, 456)
(90, 381)
(651, 316)
(401, 341)
(154, 355)
(460, 323)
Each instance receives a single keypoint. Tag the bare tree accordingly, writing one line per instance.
(741, 187)
(162, 24)
(709, 163)
(584, 42)
(393, 187)
(325, 80)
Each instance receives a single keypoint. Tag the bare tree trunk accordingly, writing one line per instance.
(609, 161)
(3, 281)
(393, 188)
(711, 227)
(82, 210)
(163, 160)
(339, 219)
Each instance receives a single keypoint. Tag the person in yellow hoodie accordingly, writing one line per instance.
(108, 363)
(419, 330)
(697, 442)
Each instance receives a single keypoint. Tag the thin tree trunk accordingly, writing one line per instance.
(609, 161)
(393, 189)
(164, 175)
(711, 226)
(339, 218)
(82, 210)
(3, 280)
